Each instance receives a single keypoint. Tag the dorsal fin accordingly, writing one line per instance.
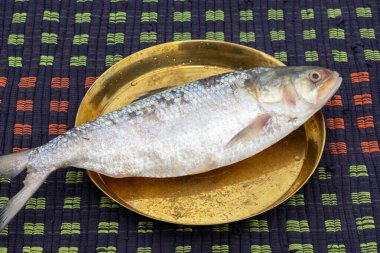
(152, 92)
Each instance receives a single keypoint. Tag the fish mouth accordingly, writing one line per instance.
(329, 87)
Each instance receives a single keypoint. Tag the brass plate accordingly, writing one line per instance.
(224, 195)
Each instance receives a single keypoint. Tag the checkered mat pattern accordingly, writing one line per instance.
(52, 51)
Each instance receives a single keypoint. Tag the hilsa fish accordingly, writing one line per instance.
(183, 130)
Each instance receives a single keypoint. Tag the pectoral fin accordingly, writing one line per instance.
(253, 129)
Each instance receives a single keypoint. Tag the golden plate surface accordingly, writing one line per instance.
(228, 194)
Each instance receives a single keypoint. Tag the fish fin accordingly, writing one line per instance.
(152, 92)
(11, 165)
(290, 95)
(253, 129)
(32, 182)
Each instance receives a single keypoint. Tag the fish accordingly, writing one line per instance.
(182, 130)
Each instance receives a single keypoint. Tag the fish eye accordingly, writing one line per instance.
(314, 76)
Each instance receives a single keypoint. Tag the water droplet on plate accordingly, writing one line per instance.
(297, 158)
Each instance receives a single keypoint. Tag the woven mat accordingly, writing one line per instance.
(52, 51)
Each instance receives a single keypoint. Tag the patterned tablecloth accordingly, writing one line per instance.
(52, 51)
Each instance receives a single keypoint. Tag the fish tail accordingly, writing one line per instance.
(32, 182)
(11, 165)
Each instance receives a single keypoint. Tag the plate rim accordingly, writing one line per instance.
(100, 184)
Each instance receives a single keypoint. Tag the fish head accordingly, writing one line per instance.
(297, 91)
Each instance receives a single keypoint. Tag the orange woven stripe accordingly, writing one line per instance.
(55, 129)
(369, 146)
(89, 81)
(337, 123)
(3, 81)
(24, 105)
(337, 148)
(364, 99)
(60, 82)
(335, 101)
(360, 77)
(365, 122)
(22, 129)
(16, 149)
(59, 106)
(27, 82)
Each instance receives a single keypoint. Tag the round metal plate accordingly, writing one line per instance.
(224, 195)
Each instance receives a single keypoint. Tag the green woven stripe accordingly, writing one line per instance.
(19, 17)
(34, 228)
(148, 37)
(307, 14)
(112, 59)
(15, 62)
(336, 248)
(183, 249)
(67, 250)
(72, 202)
(46, 60)
(3, 250)
(220, 228)
(336, 33)
(281, 56)
(323, 174)
(275, 14)
(296, 200)
(311, 56)
(145, 227)
(83, 1)
(361, 198)
(358, 171)
(16, 39)
(181, 36)
(258, 226)
(115, 38)
(329, 199)
(260, 248)
(367, 33)
(83, 17)
(3, 201)
(149, 1)
(49, 38)
(30, 249)
(246, 15)
(215, 36)
(80, 39)
(364, 12)
(297, 226)
(108, 227)
(309, 34)
(220, 249)
(149, 17)
(109, 249)
(5, 179)
(217, 15)
(333, 13)
(106, 202)
(51, 16)
(333, 225)
(36, 203)
(4, 232)
(182, 16)
(301, 248)
(372, 55)
(68, 228)
(181, 228)
(339, 56)
(144, 250)
(118, 17)
(77, 61)
(369, 247)
(74, 177)
(247, 37)
(277, 35)
(366, 222)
